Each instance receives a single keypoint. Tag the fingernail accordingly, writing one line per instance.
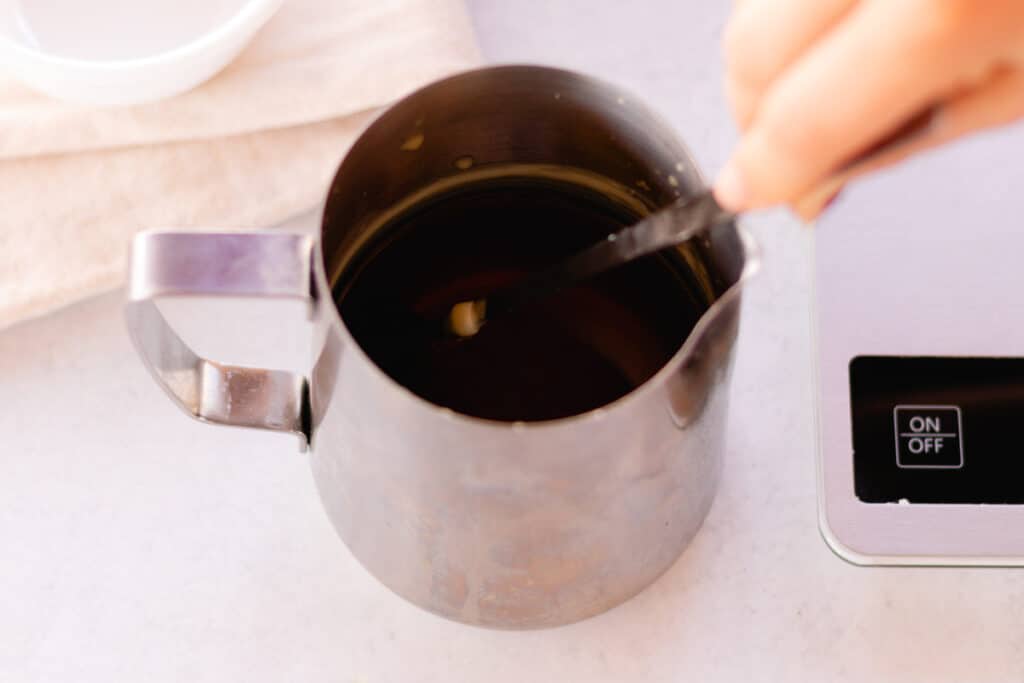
(810, 208)
(731, 189)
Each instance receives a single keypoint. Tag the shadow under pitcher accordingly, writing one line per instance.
(559, 461)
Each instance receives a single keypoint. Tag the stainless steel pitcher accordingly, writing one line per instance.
(500, 524)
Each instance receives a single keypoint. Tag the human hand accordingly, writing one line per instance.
(817, 84)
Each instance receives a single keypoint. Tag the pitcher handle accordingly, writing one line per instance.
(248, 264)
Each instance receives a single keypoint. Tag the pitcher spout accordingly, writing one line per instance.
(731, 257)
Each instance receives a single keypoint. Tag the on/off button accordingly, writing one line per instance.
(928, 437)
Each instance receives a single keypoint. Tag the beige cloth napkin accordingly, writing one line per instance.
(251, 147)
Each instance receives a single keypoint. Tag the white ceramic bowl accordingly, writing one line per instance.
(112, 52)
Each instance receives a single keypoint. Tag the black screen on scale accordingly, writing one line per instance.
(938, 430)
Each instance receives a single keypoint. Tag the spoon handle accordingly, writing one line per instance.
(666, 227)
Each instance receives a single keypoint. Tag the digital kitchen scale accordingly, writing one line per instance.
(919, 343)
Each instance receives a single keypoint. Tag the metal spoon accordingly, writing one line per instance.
(667, 227)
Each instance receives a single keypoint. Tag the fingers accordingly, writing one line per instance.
(880, 65)
(997, 101)
(766, 36)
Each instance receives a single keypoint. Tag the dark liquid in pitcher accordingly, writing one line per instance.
(562, 355)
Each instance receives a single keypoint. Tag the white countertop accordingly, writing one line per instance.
(139, 545)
